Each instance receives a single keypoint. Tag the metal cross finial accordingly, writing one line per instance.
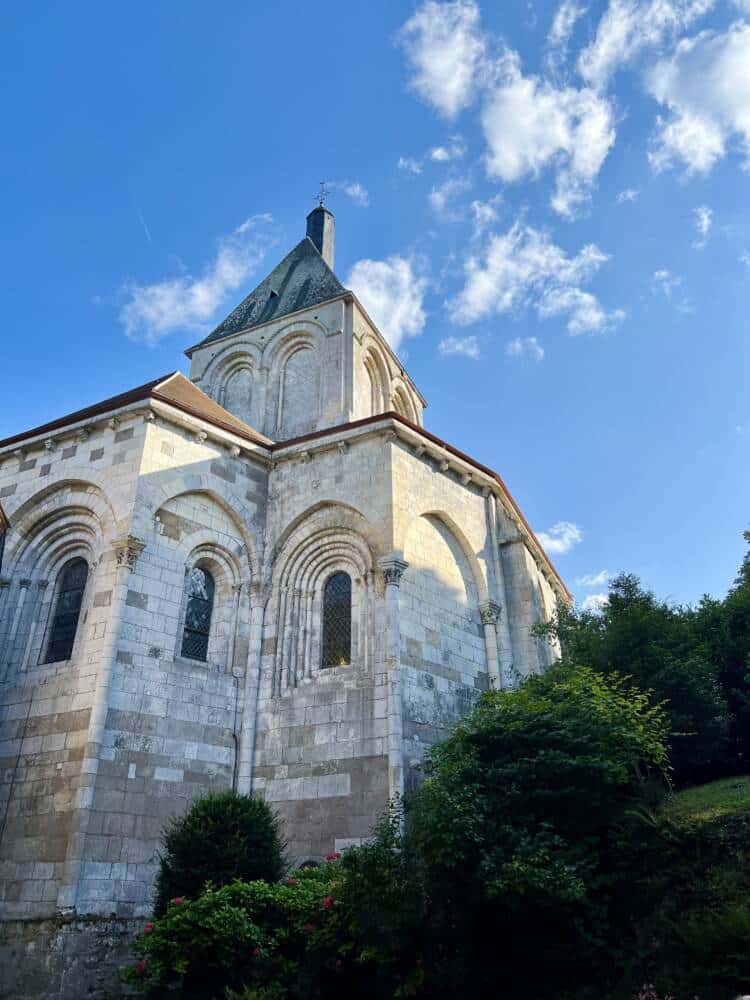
(322, 194)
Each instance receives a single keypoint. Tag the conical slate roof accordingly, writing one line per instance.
(301, 280)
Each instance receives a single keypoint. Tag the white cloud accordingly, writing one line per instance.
(599, 579)
(745, 259)
(354, 190)
(531, 125)
(705, 88)
(525, 347)
(560, 538)
(672, 287)
(392, 291)
(524, 267)
(467, 346)
(629, 194)
(485, 213)
(627, 27)
(563, 25)
(409, 164)
(153, 311)
(445, 47)
(455, 149)
(594, 602)
(442, 197)
(703, 220)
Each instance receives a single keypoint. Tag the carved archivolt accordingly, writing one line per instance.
(312, 553)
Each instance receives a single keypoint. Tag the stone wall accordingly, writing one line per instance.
(65, 959)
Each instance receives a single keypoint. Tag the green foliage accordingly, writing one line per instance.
(518, 829)
(696, 937)
(666, 649)
(346, 928)
(222, 837)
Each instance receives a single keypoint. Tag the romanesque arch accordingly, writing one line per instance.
(326, 540)
(294, 362)
(443, 585)
(67, 521)
(377, 378)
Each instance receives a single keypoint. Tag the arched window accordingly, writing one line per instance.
(67, 610)
(337, 621)
(200, 603)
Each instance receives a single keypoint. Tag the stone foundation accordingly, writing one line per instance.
(64, 959)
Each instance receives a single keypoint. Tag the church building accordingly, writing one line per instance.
(268, 576)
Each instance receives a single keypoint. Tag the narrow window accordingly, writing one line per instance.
(200, 603)
(337, 621)
(67, 610)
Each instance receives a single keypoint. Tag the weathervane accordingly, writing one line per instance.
(322, 194)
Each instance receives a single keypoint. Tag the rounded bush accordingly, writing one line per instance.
(222, 837)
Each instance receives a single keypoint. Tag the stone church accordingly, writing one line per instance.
(267, 577)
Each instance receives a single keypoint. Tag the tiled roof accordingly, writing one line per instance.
(174, 389)
(301, 280)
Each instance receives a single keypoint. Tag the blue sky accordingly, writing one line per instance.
(545, 206)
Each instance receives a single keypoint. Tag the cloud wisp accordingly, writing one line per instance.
(445, 50)
(628, 27)
(704, 89)
(525, 347)
(523, 267)
(152, 311)
(392, 291)
(467, 347)
(561, 538)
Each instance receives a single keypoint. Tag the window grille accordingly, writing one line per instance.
(67, 610)
(337, 621)
(200, 603)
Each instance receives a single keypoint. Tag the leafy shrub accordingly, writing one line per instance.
(222, 837)
(331, 931)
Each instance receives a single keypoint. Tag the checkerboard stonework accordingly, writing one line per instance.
(198, 522)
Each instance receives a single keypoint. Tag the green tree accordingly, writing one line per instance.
(222, 837)
(725, 630)
(519, 826)
(665, 648)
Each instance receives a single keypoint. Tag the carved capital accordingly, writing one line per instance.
(50, 444)
(83, 434)
(234, 451)
(393, 567)
(24, 584)
(200, 436)
(42, 585)
(490, 612)
(127, 551)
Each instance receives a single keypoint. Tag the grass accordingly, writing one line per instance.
(717, 799)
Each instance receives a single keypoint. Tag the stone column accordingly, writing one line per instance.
(7, 648)
(490, 613)
(38, 604)
(258, 599)
(505, 643)
(393, 567)
(126, 550)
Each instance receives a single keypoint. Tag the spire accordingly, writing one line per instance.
(320, 228)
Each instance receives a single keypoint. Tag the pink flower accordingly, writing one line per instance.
(338, 965)
(256, 952)
(333, 856)
(309, 927)
(292, 881)
(178, 900)
(141, 967)
(148, 928)
(328, 902)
